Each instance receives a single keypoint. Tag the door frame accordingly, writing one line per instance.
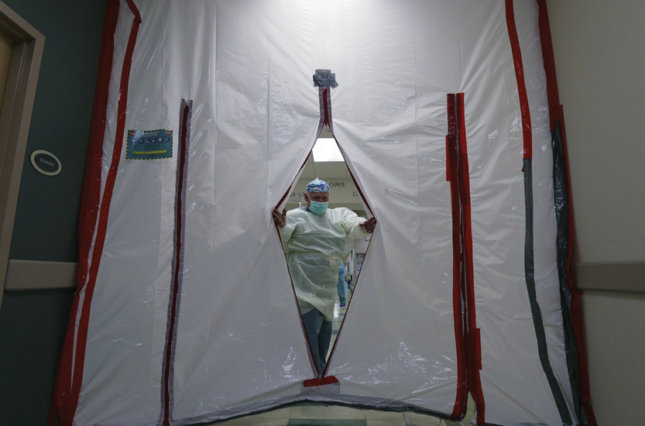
(15, 117)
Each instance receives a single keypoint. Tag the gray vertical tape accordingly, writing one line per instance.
(529, 268)
(562, 248)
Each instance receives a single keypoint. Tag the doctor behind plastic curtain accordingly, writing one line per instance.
(315, 239)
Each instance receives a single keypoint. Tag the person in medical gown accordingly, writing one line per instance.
(316, 239)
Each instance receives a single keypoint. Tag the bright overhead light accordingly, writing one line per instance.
(326, 149)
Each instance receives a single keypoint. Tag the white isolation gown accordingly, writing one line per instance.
(315, 246)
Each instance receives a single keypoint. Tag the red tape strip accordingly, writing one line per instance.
(320, 381)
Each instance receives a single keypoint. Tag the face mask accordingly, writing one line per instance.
(317, 208)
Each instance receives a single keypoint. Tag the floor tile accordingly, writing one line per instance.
(257, 420)
(327, 422)
(423, 420)
(280, 413)
(325, 412)
(382, 415)
(400, 421)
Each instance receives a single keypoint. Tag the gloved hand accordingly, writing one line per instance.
(279, 218)
(369, 224)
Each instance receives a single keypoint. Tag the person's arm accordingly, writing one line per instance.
(356, 226)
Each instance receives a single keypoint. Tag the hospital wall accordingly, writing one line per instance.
(32, 323)
(598, 49)
(600, 67)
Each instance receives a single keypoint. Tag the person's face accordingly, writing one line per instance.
(321, 197)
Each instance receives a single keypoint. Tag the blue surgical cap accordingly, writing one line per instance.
(317, 185)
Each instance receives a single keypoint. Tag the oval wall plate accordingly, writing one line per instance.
(46, 162)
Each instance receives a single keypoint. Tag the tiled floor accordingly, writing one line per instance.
(324, 415)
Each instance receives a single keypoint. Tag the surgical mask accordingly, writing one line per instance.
(318, 208)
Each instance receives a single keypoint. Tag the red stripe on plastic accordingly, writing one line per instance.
(519, 76)
(452, 156)
(326, 107)
(103, 213)
(448, 156)
(61, 402)
(549, 64)
(177, 263)
(474, 353)
(466, 331)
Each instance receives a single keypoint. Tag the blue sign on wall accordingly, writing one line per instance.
(149, 144)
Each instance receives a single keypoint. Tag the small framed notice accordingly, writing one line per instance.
(46, 163)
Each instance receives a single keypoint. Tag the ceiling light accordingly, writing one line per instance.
(326, 150)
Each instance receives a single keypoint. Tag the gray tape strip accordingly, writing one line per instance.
(325, 78)
(561, 202)
(529, 268)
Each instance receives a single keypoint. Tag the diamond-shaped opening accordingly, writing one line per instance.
(316, 248)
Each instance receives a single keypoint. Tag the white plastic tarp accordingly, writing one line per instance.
(187, 313)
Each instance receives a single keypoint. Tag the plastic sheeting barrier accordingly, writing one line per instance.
(185, 312)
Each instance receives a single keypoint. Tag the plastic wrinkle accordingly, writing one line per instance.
(408, 198)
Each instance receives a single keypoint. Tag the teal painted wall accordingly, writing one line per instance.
(32, 324)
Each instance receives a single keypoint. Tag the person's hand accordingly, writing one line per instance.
(369, 224)
(279, 218)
